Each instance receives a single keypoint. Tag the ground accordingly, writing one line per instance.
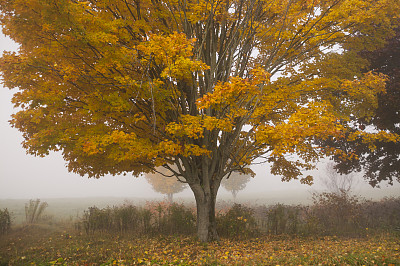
(62, 245)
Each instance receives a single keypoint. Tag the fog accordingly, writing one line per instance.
(23, 176)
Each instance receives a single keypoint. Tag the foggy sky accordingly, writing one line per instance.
(24, 176)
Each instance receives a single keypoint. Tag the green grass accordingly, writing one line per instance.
(51, 245)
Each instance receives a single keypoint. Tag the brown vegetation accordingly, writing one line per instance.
(163, 233)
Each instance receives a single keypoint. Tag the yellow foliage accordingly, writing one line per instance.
(173, 53)
(136, 84)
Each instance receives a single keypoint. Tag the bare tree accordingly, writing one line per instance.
(338, 183)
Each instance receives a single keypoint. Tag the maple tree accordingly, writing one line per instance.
(164, 182)
(382, 163)
(126, 86)
(235, 182)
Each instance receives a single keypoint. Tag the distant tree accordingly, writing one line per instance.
(164, 182)
(235, 183)
(337, 183)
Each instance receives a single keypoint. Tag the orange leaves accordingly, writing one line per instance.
(259, 76)
(313, 121)
(167, 47)
(210, 123)
(372, 138)
(182, 69)
(194, 126)
(236, 93)
(90, 147)
(174, 54)
(296, 135)
(118, 146)
(364, 92)
(201, 11)
(194, 150)
(191, 127)
(170, 148)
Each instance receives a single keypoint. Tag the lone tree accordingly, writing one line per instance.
(164, 182)
(126, 86)
(235, 182)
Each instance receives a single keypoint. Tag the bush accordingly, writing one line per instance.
(237, 222)
(284, 219)
(181, 220)
(5, 222)
(381, 215)
(34, 211)
(335, 214)
(125, 218)
(171, 218)
(94, 220)
(160, 218)
(281, 219)
(331, 214)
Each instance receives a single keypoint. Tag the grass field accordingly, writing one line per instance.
(51, 245)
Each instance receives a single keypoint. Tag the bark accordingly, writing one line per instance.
(206, 222)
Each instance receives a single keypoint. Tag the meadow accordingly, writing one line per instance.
(334, 230)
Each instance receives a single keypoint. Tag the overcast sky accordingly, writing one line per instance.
(27, 177)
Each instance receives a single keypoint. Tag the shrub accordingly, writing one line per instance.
(283, 219)
(145, 221)
(237, 222)
(34, 210)
(171, 218)
(125, 218)
(181, 220)
(95, 219)
(5, 222)
(158, 218)
(381, 215)
(331, 214)
(335, 213)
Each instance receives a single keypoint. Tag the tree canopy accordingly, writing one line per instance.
(382, 163)
(125, 86)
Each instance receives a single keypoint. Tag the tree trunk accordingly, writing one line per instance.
(234, 194)
(206, 223)
(170, 197)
